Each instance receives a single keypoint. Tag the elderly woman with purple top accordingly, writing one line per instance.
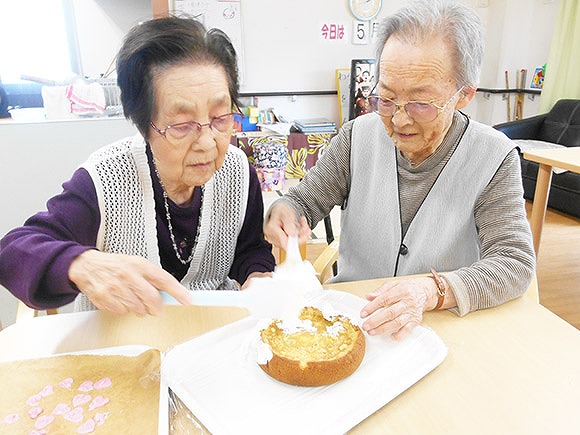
(174, 208)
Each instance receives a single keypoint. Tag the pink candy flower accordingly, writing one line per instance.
(43, 421)
(10, 419)
(66, 383)
(87, 427)
(86, 386)
(35, 411)
(34, 400)
(76, 415)
(81, 399)
(98, 402)
(61, 409)
(103, 383)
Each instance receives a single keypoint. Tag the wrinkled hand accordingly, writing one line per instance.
(124, 284)
(281, 223)
(256, 275)
(397, 306)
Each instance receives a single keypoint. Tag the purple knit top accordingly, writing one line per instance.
(35, 258)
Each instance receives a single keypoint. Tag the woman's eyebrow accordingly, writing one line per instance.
(181, 106)
(220, 99)
(421, 90)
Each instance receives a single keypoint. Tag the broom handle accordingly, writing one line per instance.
(522, 86)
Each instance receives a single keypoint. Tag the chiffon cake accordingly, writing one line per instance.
(316, 350)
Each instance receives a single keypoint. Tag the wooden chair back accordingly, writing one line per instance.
(25, 312)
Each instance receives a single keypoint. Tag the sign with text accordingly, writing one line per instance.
(332, 32)
(360, 32)
(374, 31)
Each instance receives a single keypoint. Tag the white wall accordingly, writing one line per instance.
(518, 35)
(283, 50)
(35, 159)
(101, 26)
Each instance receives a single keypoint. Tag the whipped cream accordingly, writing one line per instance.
(263, 352)
(335, 329)
(292, 326)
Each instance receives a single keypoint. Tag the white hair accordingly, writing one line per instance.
(458, 25)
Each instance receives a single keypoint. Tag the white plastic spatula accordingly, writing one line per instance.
(294, 268)
(293, 256)
(298, 276)
(282, 295)
(262, 298)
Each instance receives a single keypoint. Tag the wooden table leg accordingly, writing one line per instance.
(540, 203)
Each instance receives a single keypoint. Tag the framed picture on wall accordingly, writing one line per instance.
(362, 82)
(343, 91)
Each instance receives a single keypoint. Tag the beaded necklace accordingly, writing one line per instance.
(169, 219)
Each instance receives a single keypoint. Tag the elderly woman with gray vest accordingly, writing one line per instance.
(423, 188)
(174, 208)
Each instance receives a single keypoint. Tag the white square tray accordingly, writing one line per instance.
(218, 379)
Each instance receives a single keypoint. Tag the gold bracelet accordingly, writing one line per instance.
(441, 290)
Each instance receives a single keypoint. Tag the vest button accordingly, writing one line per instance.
(403, 250)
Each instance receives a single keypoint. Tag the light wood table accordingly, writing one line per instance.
(514, 369)
(565, 158)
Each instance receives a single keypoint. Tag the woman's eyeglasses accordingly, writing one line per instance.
(420, 111)
(191, 131)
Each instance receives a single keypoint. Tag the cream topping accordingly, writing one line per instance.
(292, 326)
(335, 329)
(263, 352)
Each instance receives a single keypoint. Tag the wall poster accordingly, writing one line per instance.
(343, 91)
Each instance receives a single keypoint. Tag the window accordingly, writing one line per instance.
(38, 40)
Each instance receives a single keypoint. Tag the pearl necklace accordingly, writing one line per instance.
(169, 219)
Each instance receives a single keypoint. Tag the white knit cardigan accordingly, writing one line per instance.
(122, 179)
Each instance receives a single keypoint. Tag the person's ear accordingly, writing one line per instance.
(465, 96)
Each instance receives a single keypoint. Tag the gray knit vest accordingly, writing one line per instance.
(120, 173)
(442, 234)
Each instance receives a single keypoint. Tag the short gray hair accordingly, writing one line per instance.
(459, 26)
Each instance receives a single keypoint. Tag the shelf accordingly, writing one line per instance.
(510, 91)
(285, 93)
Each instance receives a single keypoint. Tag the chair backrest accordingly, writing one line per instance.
(324, 262)
(562, 124)
(25, 312)
(532, 291)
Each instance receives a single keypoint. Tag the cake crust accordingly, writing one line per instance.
(314, 358)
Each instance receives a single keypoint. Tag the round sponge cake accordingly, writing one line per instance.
(316, 351)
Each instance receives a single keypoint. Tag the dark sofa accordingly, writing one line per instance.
(561, 125)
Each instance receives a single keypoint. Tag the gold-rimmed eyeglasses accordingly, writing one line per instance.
(420, 111)
(191, 131)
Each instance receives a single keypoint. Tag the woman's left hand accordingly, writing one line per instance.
(255, 275)
(397, 306)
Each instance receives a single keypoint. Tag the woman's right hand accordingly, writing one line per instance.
(124, 283)
(281, 222)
